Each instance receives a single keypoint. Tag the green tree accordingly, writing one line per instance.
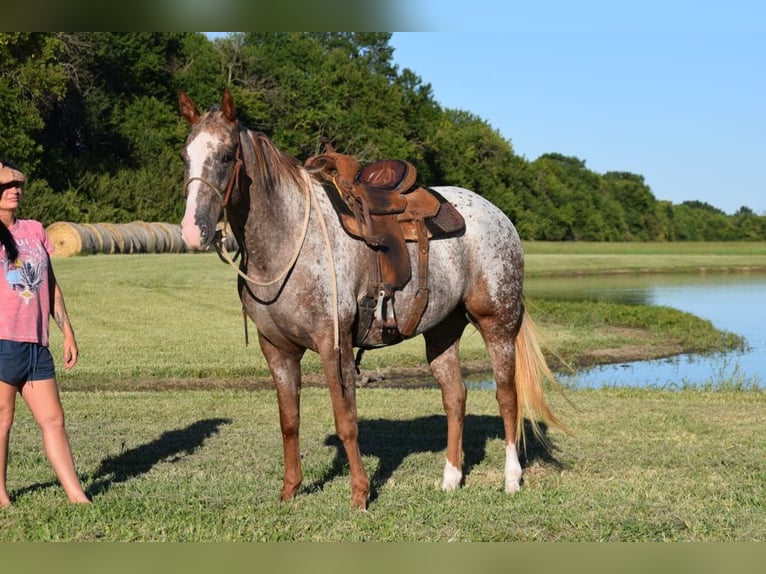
(638, 204)
(93, 119)
(32, 81)
(466, 151)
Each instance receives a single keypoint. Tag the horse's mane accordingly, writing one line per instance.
(270, 165)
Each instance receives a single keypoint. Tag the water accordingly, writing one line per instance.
(732, 302)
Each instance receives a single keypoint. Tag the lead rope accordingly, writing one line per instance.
(220, 248)
(218, 242)
(336, 312)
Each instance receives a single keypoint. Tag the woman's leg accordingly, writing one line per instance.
(43, 400)
(7, 409)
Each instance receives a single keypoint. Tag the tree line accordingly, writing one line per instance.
(92, 118)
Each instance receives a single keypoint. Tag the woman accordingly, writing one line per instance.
(29, 295)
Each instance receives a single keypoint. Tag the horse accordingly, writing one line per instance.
(301, 276)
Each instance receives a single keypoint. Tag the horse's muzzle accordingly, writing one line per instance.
(195, 237)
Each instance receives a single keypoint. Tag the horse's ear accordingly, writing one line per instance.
(227, 105)
(187, 107)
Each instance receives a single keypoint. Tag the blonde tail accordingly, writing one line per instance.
(531, 371)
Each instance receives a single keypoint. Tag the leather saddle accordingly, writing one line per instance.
(382, 205)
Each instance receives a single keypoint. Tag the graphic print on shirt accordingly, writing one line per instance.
(25, 277)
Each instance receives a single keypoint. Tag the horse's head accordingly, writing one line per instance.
(211, 158)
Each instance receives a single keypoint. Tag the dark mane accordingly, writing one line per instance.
(271, 166)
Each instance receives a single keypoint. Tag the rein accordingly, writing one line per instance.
(219, 244)
(220, 234)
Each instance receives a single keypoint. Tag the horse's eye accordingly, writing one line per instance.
(227, 158)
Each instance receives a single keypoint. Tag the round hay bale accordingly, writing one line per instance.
(164, 237)
(141, 240)
(106, 239)
(132, 238)
(174, 240)
(151, 237)
(98, 242)
(70, 239)
(161, 239)
(118, 238)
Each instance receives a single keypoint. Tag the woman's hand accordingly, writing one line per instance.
(71, 352)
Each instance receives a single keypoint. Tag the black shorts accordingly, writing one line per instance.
(22, 362)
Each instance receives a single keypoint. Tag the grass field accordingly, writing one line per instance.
(206, 465)
(144, 321)
(576, 258)
(200, 457)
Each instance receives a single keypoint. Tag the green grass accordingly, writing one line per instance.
(144, 321)
(662, 248)
(585, 258)
(206, 465)
(200, 458)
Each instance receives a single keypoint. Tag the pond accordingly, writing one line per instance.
(733, 302)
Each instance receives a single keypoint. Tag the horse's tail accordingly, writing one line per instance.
(531, 372)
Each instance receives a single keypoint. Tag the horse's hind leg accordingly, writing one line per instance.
(442, 351)
(285, 370)
(499, 337)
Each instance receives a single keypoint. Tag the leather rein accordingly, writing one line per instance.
(220, 235)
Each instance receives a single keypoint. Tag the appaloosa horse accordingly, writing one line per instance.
(301, 277)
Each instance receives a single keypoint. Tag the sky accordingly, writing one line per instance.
(680, 101)
(672, 90)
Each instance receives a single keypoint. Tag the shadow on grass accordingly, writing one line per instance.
(391, 441)
(171, 445)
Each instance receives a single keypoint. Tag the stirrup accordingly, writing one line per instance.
(390, 319)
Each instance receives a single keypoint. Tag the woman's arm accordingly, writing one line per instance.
(61, 317)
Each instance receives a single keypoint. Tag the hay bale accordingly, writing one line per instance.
(160, 238)
(172, 235)
(141, 240)
(118, 238)
(70, 239)
(125, 238)
(152, 241)
(98, 242)
(107, 240)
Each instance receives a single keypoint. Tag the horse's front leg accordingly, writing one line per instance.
(340, 373)
(442, 351)
(285, 367)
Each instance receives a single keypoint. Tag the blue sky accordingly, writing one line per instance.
(674, 91)
(680, 100)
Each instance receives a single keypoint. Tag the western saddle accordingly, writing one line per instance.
(382, 205)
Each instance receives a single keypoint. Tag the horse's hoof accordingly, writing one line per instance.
(287, 494)
(513, 470)
(452, 477)
(512, 486)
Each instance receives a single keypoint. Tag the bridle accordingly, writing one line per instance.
(233, 180)
(220, 234)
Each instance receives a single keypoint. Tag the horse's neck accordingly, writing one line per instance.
(273, 226)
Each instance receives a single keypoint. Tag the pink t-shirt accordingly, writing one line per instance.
(25, 291)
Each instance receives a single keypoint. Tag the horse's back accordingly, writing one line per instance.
(482, 268)
(489, 233)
